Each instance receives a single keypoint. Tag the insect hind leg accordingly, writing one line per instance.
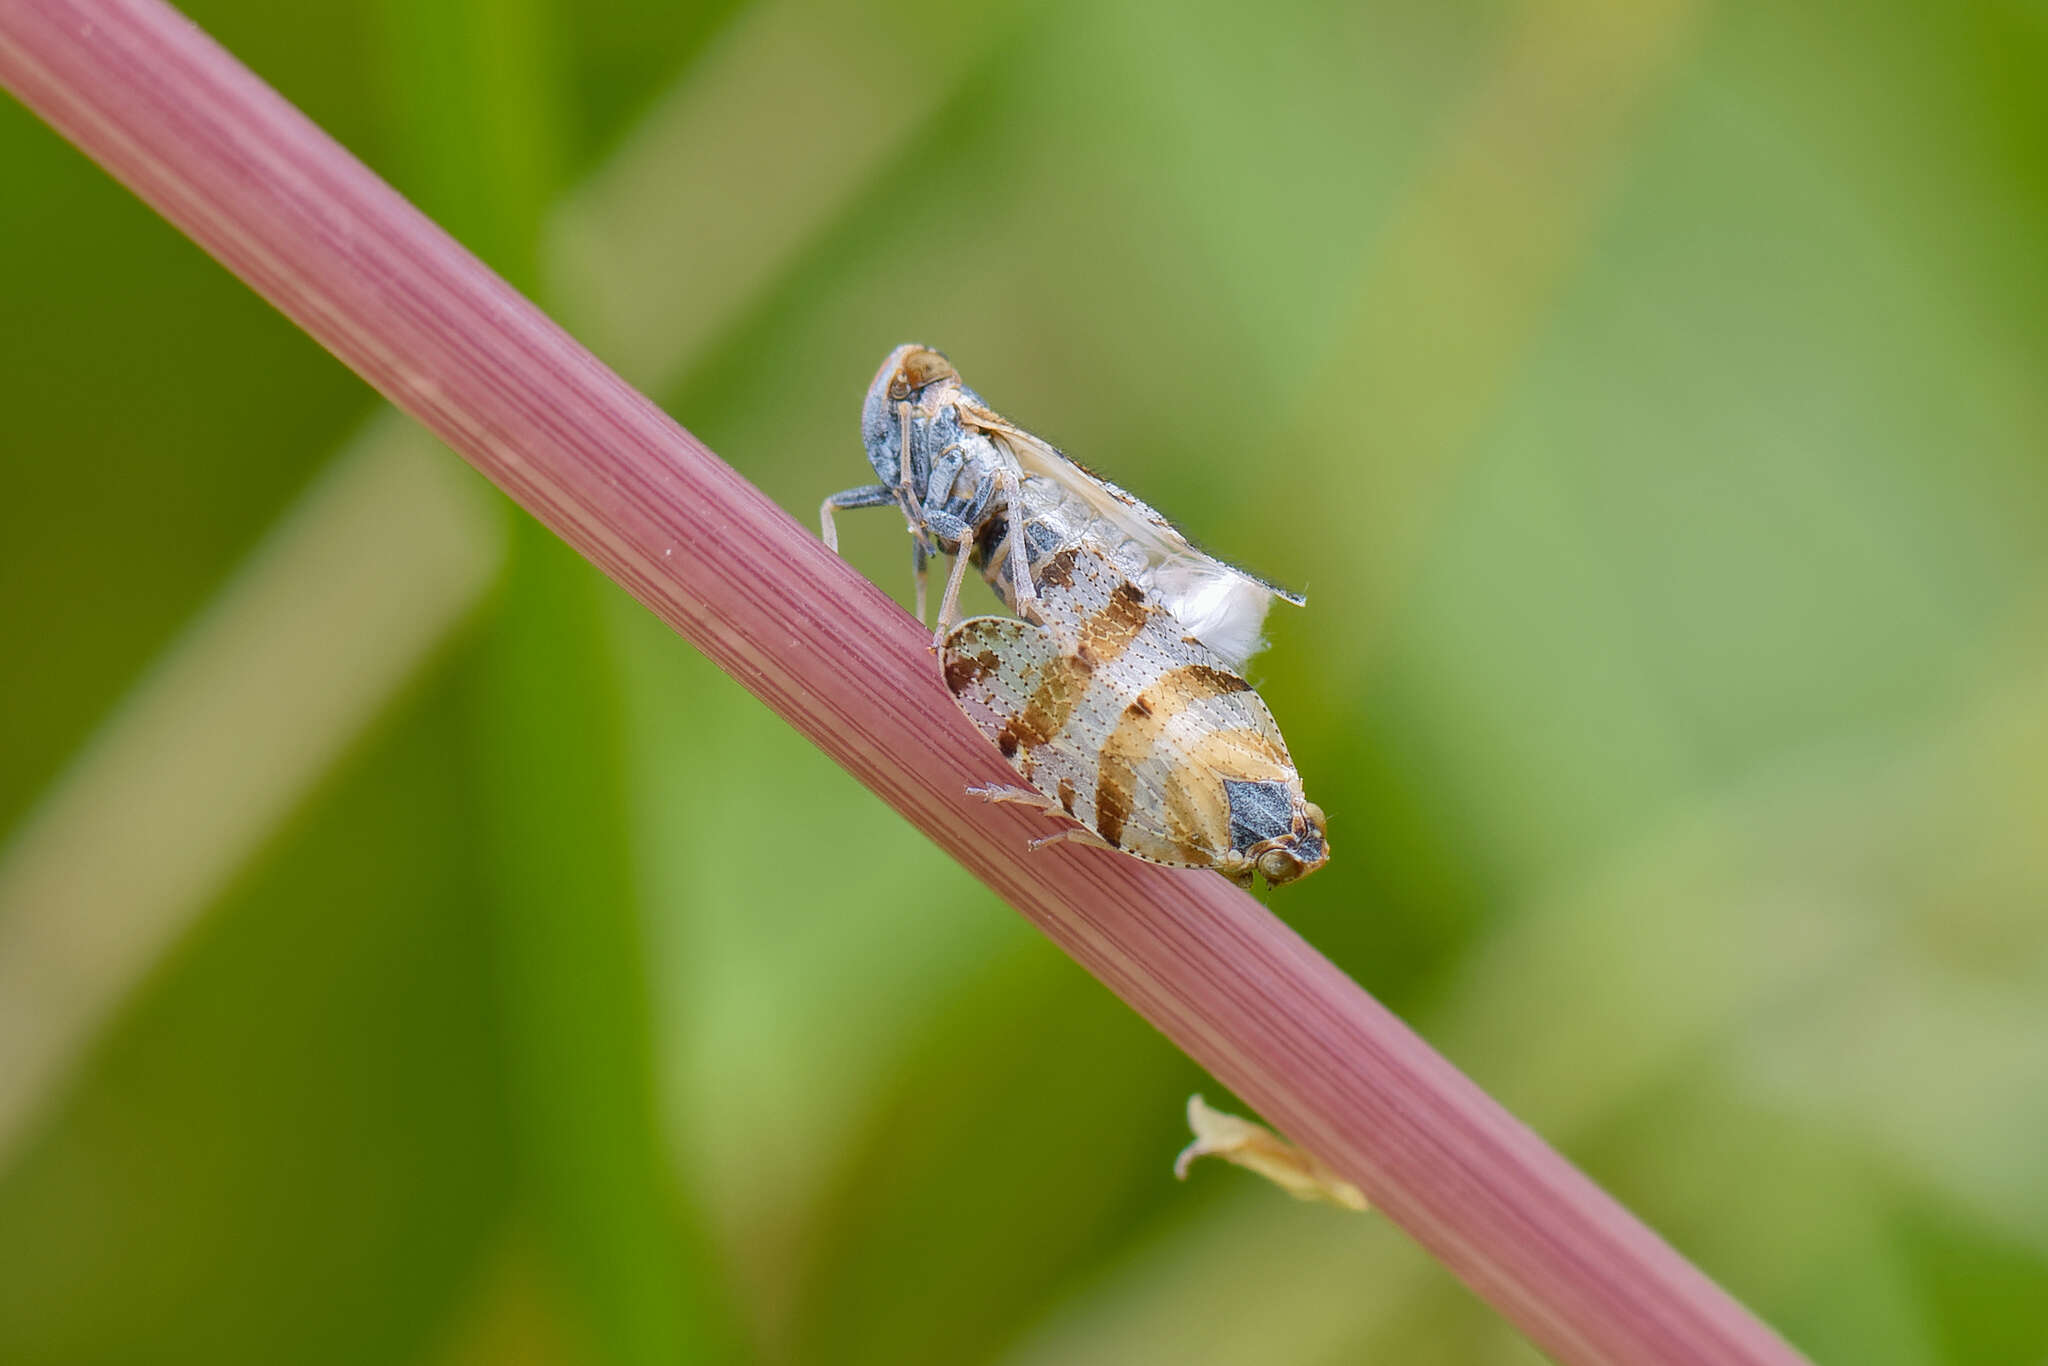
(1077, 834)
(949, 605)
(1009, 793)
(919, 558)
(1024, 796)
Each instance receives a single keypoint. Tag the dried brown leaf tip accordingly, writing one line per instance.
(1257, 1148)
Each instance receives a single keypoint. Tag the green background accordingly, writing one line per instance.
(410, 952)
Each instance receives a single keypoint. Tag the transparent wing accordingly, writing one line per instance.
(1217, 603)
(1163, 542)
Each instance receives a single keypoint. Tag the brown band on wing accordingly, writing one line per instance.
(1137, 734)
(1196, 816)
(1112, 799)
(1200, 680)
(1064, 679)
(1059, 570)
(1110, 631)
(1174, 691)
(963, 670)
(1067, 796)
(1060, 686)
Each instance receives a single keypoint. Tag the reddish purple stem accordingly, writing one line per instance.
(227, 160)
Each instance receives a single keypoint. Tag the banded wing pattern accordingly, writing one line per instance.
(1142, 734)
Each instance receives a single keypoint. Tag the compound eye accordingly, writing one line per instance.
(899, 388)
(1279, 866)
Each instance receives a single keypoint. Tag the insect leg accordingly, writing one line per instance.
(1020, 796)
(1021, 588)
(938, 488)
(976, 510)
(1024, 796)
(905, 475)
(1079, 834)
(866, 496)
(919, 556)
(949, 605)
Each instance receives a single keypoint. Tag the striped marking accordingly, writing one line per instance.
(1110, 631)
(1139, 735)
(963, 670)
(1197, 681)
(1059, 570)
(1064, 681)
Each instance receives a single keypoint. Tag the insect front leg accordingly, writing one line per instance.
(938, 487)
(905, 474)
(866, 496)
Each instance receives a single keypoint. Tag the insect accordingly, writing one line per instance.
(1117, 696)
(1135, 730)
(978, 487)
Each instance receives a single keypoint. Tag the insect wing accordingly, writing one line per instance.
(1221, 605)
(1018, 687)
(1163, 542)
(1109, 712)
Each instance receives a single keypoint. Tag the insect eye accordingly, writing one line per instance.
(899, 388)
(1279, 866)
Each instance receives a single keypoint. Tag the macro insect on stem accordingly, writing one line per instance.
(1116, 690)
(178, 120)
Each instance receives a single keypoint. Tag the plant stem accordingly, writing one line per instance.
(232, 164)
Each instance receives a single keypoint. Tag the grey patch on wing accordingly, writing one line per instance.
(1259, 811)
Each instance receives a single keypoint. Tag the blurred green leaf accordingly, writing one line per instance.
(293, 1147)
(482, 88)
